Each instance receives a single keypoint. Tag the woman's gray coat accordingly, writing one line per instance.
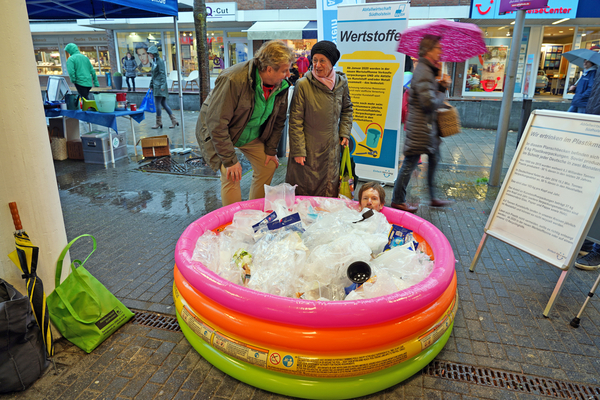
(319, 119)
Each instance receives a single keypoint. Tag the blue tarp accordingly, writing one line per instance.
(105, 9)
(105, 119)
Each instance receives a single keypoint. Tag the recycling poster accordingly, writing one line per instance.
(367, 38)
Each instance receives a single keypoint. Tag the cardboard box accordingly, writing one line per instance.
(75, 150)
(155, 146)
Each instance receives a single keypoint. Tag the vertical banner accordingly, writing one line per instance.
(327, 18)
(368, 38)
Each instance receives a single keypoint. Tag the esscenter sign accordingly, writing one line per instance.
(556, 9)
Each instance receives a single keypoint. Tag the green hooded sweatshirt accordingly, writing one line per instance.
(80, 68)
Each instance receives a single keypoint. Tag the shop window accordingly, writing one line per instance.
(91, 53)
(48, 61)
(487, 72)
(189, 55)
(216, 52)
(137, 43)
(103, 59)
(189, 52)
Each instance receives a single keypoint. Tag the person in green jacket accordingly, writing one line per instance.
(81, 71)
(247, 110)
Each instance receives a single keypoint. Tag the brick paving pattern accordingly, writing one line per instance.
(138, 217)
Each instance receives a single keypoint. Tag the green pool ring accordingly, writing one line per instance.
(313, 388)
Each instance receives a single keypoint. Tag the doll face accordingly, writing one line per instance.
(370, 199)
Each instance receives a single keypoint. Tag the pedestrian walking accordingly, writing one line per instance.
(589, 254)
(422, 136)
(583, 87)
(129, 66)
(159, 87)
(81, 72)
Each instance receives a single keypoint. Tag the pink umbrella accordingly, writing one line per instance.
(459, 40)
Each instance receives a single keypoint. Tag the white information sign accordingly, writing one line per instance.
(551, 189)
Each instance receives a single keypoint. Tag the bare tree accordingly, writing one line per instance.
(112, 53)
(202, 48)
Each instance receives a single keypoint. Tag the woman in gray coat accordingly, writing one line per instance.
(159, 87)
(129, 66)
(320, 120)
(422, 136)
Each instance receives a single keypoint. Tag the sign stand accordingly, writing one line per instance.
(550, 195)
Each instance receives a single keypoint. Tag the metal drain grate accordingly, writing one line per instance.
(156, 321)
(193, 166)
(511, 381)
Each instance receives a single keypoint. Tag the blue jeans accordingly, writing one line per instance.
(161, 101)
(573, 109)
(408, 166)
(127, 78)
(590, 246)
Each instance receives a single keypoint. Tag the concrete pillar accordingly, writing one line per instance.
(28, 177)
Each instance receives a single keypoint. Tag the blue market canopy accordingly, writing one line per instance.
(105, 9)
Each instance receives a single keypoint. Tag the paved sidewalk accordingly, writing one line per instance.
(138, 217)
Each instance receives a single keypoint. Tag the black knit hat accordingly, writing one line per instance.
(328, 49)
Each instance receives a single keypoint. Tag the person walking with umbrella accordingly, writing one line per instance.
(583, 87)
(426, 96)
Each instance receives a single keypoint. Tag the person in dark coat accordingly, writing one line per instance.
(294, 74)
(422, 136)
(583, 87)
(593, 105)
(320, 120)
(129, 66)
(589, 254)
(160, 89)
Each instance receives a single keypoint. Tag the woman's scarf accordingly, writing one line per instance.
(328, 81)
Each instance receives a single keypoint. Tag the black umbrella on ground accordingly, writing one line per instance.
(25, 257)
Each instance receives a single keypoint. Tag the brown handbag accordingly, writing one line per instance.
(448, 120)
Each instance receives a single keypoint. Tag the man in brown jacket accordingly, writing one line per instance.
(246, 109)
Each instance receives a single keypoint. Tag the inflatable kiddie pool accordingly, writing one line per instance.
(315, 349)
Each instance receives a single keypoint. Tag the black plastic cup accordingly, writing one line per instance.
(359, 272)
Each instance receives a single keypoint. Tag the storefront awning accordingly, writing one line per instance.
(310, 30)
(268, 30)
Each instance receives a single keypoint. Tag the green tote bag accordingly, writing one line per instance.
(346, 178)
(81, 308)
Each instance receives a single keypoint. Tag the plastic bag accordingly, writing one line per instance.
(242, 226)
(280, 198)
(327, 263)
(207, 250)
(346, 178)
(148, 102)
(277, 259)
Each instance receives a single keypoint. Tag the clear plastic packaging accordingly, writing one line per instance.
(280, 198)
(270, 253)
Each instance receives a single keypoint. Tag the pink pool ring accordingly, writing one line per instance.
(303, 315)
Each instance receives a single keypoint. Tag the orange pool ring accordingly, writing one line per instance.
(315, 340)
(312, 365)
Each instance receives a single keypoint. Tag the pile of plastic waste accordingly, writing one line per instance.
(305, 249)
